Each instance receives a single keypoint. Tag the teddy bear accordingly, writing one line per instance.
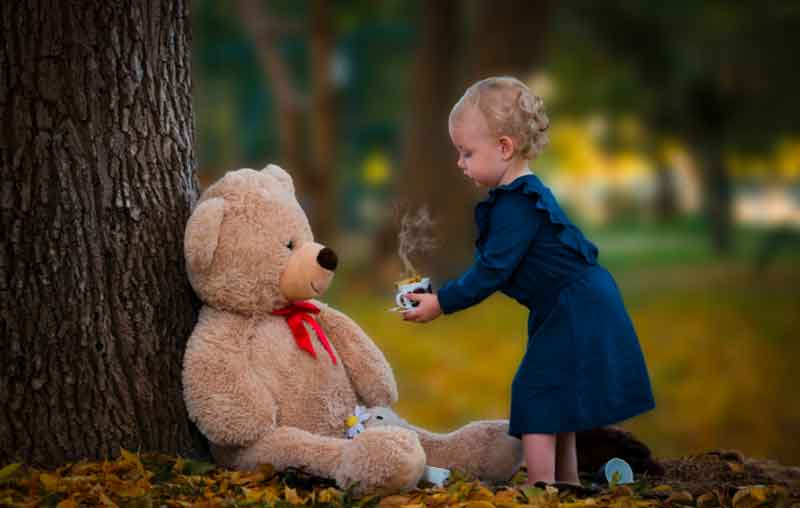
(272, 375)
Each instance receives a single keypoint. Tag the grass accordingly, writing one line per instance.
(720, 340)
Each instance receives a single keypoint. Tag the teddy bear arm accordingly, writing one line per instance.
(227, 406)
(366, 365)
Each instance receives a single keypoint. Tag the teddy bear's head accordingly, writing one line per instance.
(248, 245)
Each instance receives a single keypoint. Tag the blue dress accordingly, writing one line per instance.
(583, 367)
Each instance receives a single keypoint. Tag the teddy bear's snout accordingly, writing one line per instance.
(327, 259)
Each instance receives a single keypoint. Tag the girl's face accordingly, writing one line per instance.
(481, 156)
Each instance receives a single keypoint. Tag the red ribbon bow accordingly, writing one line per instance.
(295, 314)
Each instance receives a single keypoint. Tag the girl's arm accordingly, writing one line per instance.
(513, 224)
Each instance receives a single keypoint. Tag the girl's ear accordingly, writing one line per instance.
(506, 147)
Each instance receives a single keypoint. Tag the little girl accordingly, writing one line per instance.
(583, 367)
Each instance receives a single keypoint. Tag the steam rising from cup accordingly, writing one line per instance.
(415, 237)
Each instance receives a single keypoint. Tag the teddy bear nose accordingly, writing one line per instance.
(327, 259)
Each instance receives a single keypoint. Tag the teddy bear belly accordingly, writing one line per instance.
(311, 393)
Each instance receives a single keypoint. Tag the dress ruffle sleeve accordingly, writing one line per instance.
(514, 225)
(544, 201)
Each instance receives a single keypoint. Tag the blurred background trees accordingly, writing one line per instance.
(674, 145)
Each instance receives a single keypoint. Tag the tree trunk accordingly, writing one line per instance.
(709, 110)
(265, 31)
(431, 177)
(98, 179)
(510, 40)
(322, 119)
(717, 200)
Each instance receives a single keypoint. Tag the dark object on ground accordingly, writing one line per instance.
(597, 446)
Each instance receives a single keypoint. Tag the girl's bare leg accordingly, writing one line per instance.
(566, 458)
(540, 457)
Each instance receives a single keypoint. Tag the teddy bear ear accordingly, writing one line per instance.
(202, 234)
(284, 178)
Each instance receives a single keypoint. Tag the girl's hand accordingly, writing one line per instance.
(427, 310)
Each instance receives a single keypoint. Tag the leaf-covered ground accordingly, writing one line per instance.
(715, 479)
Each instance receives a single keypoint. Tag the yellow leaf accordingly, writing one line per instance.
(736, 467)
(106, 500)
(394, 501)
(49, 481)
(505, 496)
(292, 497)
(481, 494)
(223, 486)
(436, 499)
(706, 500)
(329, 495)
(750, 497)
(131, 491)
(267, 494)
(9, 470)
(478, 504)
(662, 487)
(67, 503)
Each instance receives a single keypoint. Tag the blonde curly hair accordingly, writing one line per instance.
(510, 109)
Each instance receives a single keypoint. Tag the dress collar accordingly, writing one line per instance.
(527, 184)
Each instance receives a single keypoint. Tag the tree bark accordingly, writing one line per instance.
(98, 180)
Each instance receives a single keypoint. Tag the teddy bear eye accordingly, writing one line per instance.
(290, 244)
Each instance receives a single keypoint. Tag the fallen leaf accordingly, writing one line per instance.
(393, 501)
(478, 504)
(681, 497)
(67, 503)
(196, 467)
(8, 471)
(49, 481)
(706, 500)
(481, 494)
(749, 497)
(736, 467)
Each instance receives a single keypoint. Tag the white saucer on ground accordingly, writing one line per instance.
(617, 465)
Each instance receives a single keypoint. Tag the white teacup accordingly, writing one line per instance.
(423, 285)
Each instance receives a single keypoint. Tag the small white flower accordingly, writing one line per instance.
(355, 422)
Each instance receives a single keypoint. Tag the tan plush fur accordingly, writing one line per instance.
(481, 449)
(256, 395)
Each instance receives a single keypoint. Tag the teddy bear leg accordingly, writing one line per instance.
(384, 460)
(482, 449)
